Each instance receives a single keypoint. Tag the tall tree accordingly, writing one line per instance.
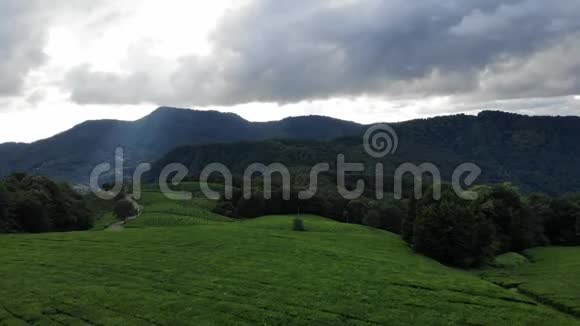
(452, 230)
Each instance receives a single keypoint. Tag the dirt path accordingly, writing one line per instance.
(120, 226)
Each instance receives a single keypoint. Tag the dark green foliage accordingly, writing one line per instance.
(29, 213)
(298, 225)
(452, 231)
(527, 151)
(4, 220)
(393, 219)
(373, 219)
(124, 209)
(37, 204)
(540, 212)
(356, 210)
(385, 214)
(562, 224)
(225, 208)
(503, 206)
(324, 203)
(408, 223)
(467, 233)
(252, 207)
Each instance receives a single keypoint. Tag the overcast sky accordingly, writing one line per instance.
(63, 62)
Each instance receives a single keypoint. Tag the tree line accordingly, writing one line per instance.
(35, 204)
(471, 233)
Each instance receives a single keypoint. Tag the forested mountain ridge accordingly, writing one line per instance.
(538, 154)
(71, 155)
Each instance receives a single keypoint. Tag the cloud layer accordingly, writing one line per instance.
(360, 60)
(21, 43)
(285, 52)
(24, 28)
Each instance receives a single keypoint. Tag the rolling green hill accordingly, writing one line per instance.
(551, 275)
(219, 272)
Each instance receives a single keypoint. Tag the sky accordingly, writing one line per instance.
(63, 62)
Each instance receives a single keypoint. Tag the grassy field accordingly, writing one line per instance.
(160, 212)
(551, 275)
(207, 270)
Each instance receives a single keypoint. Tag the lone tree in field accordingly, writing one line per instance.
(124, 209)
(298, 225)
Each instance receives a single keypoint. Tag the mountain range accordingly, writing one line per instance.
(539, 154)
(72, 154)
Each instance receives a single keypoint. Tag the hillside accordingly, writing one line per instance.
(72, 154)
(548, 274)
(219, 272)
(539, 154)
(536, 153)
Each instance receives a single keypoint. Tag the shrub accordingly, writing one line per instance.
(298, 225)
(373, 219)
(124, 209)
(225, 208)
(355, 211)
(252, 207)
(509, 260)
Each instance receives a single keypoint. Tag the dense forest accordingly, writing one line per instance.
(34, 204)
(471, 233)
(537, 154)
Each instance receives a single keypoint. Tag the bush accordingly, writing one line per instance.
(124, 209)
(509, 260)
(373, 219)
(225, 208)
(355, 211)
(298, 225)
(252, 207)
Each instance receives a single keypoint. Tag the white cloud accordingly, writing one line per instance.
(361, 60)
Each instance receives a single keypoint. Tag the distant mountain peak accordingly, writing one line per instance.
(70, 155)
(165, 112)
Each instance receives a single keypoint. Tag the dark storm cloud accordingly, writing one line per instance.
(288, 51)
